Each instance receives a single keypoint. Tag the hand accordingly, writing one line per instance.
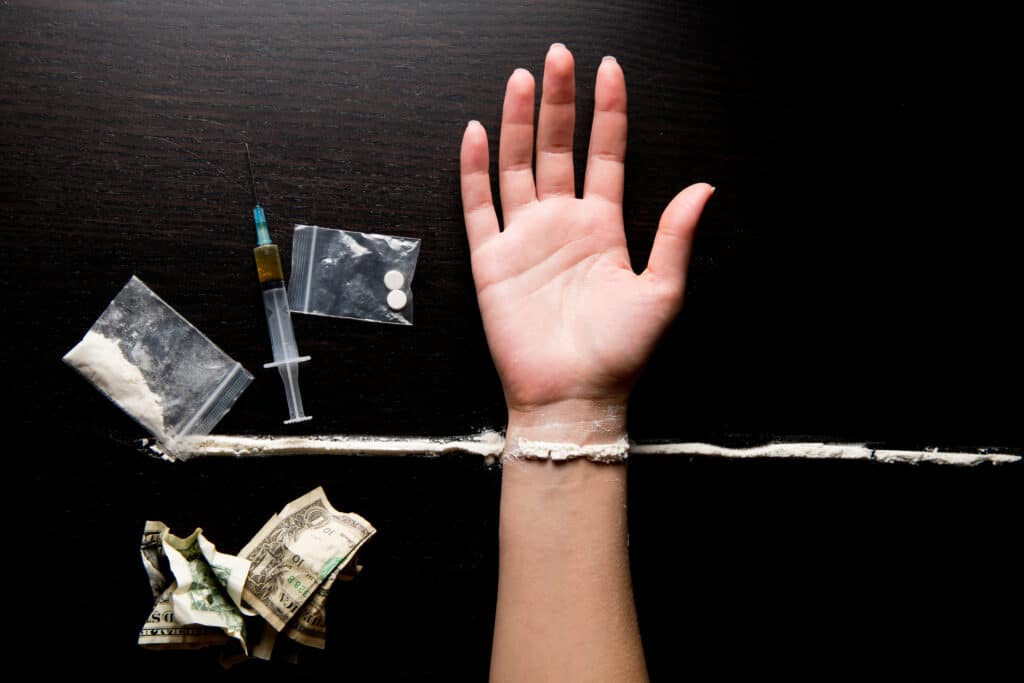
(567, 320)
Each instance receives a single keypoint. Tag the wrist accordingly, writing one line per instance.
(573, 426)
(571, 495)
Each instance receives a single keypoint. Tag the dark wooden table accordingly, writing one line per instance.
(853, 282)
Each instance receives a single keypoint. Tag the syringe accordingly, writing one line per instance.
(275, 302)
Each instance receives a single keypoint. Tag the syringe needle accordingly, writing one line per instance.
(252, 176)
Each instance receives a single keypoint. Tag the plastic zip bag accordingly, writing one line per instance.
(157, 367)
(349, 274)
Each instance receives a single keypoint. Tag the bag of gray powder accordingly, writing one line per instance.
(157, 367)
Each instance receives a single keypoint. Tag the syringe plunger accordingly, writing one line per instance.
(286, 353)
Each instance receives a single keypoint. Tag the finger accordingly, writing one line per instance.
(555, 125)
(515, 153)
(607, 155)
(670, 255)
(477, 205)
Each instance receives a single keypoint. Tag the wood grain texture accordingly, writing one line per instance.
(852, 281)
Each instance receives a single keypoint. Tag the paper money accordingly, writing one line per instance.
(162, 630)
(296, 552)
(309, 625)
(153, 558)
(209, 590)
(285, 572)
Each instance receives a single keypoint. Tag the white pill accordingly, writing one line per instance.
(397, 299)
(394, 280)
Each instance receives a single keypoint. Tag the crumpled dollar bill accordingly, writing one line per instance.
(198, 591)
(277, 584)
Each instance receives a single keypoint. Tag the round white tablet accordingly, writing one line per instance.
(394, 280)
(397, 299)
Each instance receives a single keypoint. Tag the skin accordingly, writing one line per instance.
(570, 325)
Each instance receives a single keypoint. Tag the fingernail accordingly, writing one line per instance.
(471, 122)
(520, 70)
(609, 58)
(554, 45)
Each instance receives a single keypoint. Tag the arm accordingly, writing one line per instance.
(569, 325)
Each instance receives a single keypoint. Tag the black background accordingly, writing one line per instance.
(853, 281)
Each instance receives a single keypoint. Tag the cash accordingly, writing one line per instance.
(209, 590)
(168, 627)
(163, 632)
(297, 551)
(309, 625)
(285, 573)
(153, 558)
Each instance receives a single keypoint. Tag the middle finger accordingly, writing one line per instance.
(555, 125)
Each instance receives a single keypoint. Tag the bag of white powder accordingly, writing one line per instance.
(157, 367)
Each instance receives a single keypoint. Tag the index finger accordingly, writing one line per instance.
(477, 204)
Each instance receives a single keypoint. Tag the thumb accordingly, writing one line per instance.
(671, 252)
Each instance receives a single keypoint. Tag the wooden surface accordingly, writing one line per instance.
(853, 280)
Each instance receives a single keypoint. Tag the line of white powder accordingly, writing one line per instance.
(490, 445)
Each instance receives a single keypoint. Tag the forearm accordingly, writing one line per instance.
(565, 605)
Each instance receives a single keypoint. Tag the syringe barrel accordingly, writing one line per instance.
(279, 323)
(275, 304)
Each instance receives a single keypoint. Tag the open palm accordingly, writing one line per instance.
(566, 317)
